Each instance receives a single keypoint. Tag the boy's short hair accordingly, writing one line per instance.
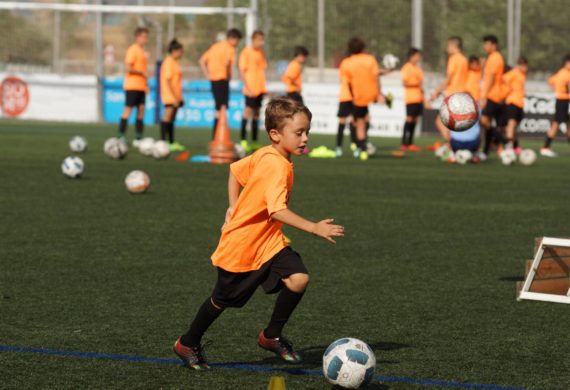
(457, 40)
(300, 51)
(174, 45)
(257, 33)
(141, 30)
(413, 51)
(282, 108)
(473, 58)
(491, 38)
(522, 61)
(566, 59)
(233, 33)
(356, 45)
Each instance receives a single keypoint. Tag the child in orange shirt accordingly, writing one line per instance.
(171, 93)
(292, 77)
(412, 78)
(515, 84)
(560, 83)
(252, 251)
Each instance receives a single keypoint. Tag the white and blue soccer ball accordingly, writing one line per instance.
(527, 157)
(72, 167)
(508, 157)
(160, 150)
(463, 156)
(78, 144)
(390, 61)
(146, 146)
(115, 148)
(349, 363)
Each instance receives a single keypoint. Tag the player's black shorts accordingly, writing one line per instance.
(344, 109)
(514, 112)
(359, 111)
(254, 102)
(493, 110)
(295, 96)
(561, 113)
(135, 98)
(414, 109)
(221, 92)
(234, 289)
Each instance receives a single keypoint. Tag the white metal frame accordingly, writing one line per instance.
(525, 293)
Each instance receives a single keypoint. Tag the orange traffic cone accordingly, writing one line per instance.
(222, 150)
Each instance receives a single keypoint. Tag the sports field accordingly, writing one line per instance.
(425, 274)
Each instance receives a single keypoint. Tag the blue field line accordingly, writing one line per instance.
(245, 367)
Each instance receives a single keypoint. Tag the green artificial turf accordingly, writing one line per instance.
(426, 273)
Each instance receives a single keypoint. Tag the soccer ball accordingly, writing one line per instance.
(390, 61)
(463, 156)
(370, 149)
(459, 111)
(72, 167)
(78, 144)
(349, 363)
(240, 151)
(443, 149)
(137, 182)
(115, 148)
(527, 157)
(508, 157)
(160, 150)
(146, 145)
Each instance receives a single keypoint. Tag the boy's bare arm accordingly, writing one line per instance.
(204, 67)
(233, 194)
(324, 229)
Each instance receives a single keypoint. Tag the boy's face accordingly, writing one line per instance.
(177, 54)
(233, 41)
(451, 47)
(475, 65)
(142, 39)
(523, 67)
(258, 42)
(489, 47)
(416, 58)
(301, 59)
(567, 65)
(294, 137)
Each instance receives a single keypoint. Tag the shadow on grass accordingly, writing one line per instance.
(512, 278)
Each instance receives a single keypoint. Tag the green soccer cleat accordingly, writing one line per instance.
(177, 147)
(246, 146)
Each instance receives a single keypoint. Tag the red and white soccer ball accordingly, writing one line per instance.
(459, 111)
(137, 182)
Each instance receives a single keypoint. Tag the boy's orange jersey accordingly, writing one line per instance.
(457, 67)
(412, 78)
(170, 73)
(559, 81)
(251, 238)
(135, 58)
(292, 77)
(344, 95)
(362, 72)
(252, 64)
(473, 83)
(219, 58)
(514, 81)
(495, 65)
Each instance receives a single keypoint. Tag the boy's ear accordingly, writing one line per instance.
(274, 135)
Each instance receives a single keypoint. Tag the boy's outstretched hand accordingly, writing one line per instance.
(325, 229)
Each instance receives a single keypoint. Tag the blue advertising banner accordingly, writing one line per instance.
(198, 110)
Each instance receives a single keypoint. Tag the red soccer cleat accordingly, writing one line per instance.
(414, 148)
(279, 346)
(193, 357)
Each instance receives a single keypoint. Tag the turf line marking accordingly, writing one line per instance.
(244, 367)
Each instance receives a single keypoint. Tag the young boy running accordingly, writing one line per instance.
(252, 251)
(344, 109)
(135, 84)
(515, 83)
(560, 83)
(171, 93)
(292, 78)
(216, 64)
(412, 78)
(252, 66)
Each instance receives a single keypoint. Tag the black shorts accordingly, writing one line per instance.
(234, 289)
(135, 98)
(414, 109)
(514, 112)
(561, 113)
(494, 110)
(221, 92)
(254, 102)
(359, 111)
(295, 96)
(344, 109)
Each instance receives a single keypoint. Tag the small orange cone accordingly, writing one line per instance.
(276, 383)
(222, 150)
(184, 156)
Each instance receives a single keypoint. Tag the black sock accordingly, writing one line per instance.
(214, 128)
(243, 129)
(367, 127)
(286, 303)
(140, 129)
(488, 139)
(406, 134)
(205, 317)
(171, 132)
(340, 134)
(412, 130)
(122, 127)
(361, 144)
(352, 132)
(547, 142)
(254, 129)
(516, 143)
(163, 130)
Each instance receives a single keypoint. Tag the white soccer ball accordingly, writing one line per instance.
(137, 182)
(240, 151)
(370, 149)
(72, 167)
(527, 157)
(115, 148)
(146, 145)
(349, 363)
(390, 61)
(160, 150)
(459, 111)
(463, 156)
(78, 144)
(443, 149)
(508, 157)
